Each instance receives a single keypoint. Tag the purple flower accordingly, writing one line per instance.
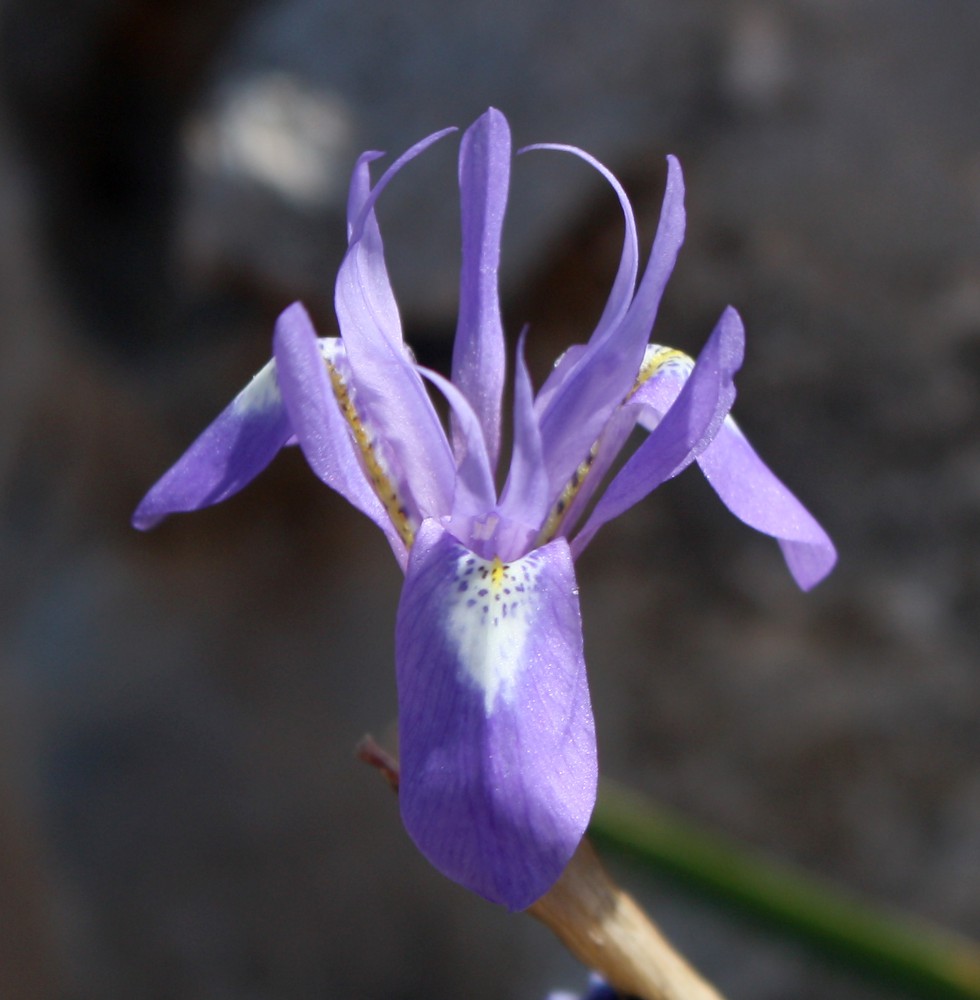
(497, 744)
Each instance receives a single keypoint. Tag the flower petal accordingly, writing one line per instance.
(228, 455)
(383, 371)
(526, 495)
(622, 290)
(686, 429)
(475, 492)
(753, 494)
(321, 428)
(744, 482)
(497, 743)
(479, 362)
(377, 288)
(604, 373)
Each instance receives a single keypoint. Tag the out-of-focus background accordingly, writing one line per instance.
(181, 816)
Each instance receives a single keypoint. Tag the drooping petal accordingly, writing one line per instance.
(753, 494)
(228, 455)
(497, 743)
(526, 494)
(604, 373)
(685, 430)
(479, 362)
(387, 382)
(325, 434)
(744, 482)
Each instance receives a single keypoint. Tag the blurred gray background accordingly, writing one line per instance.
(181, 815)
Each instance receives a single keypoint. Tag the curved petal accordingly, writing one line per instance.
(497, 743)
(604, 373)
(228, 455)
(479, 360)
(377, 289)
(387, 383)
(563, 367)
(686, 429)
(475, 493)
(744, 482)
(753, 494)
(320, 427)
(525, 495)
(622, 290)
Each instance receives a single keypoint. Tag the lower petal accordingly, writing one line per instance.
(753, 494)
(497, 742)
(228, 455)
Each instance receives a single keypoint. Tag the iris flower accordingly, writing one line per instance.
(496, 735)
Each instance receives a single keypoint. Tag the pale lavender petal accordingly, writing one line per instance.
(388, 385)
(377, 288)
(683, 433)
(560, 371)
(743, 481)
(592, 473)
(606, 370)
(497, 743)
(754, 495)
(228, 455)
(475, 491)
(321, 428)
(526, 493)
(479, 360)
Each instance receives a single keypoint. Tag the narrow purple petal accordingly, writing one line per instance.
(320, 427)
(563, 367)
(686, 429)
(479, 361)
(377, 288)
(228, 455)
(526, 493)
(475, 492)
(622, 290)
(605, 371)
(592, 473)
(497, 743)
(388, 385)
(754, 495)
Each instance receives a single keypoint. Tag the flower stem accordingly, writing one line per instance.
(914, 954)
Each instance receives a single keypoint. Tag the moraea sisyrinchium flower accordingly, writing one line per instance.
(497, 744)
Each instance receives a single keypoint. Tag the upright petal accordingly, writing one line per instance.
(754, 495)
(497, 742)
(228, 455)
(377, 288)
(604, 373)
(323, 432)
(685, 430)
(526, 493)
(622, 290)
(475, 492)
(479, 360)
(384, 372)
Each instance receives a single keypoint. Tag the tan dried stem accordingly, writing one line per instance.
(599, 923)
(604, 928)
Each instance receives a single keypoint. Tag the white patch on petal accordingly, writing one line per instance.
(657, 358)
(261, 394)
(489, 621)
(332, 350)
